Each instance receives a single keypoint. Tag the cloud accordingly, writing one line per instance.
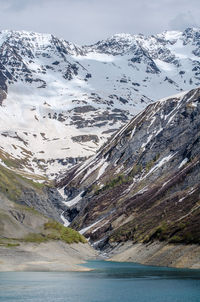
(87, 21)
(182, 21)
(15, 6)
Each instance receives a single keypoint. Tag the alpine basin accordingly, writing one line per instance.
(108, 282)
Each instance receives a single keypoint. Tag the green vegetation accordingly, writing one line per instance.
(9, 184)
(12, 183)
(28, 209)
(12, 162)
(123, 234)
(18, 164)
(35, 238)
(161, 233)
(12, 244)
(156, 157)
(9, 243)
(186, 238)
(55, 231)
(36, 185)
(151, 163)
(118, 180)
(135, 170)
(123, 179)
(175, 239)
(171, 232)
(114, 182)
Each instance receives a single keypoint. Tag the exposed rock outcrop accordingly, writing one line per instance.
(144, 184)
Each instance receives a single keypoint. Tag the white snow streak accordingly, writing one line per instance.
(90, 226)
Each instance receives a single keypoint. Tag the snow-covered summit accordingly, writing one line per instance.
(36, 41)
(60, 102)
(125, 43)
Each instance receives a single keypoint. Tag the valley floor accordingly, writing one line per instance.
(58, 256)
(48, 256)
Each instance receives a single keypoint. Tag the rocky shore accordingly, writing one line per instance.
(158, 254)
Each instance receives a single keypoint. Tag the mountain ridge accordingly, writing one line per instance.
(71, 98)
(144, 184)
(60, 103)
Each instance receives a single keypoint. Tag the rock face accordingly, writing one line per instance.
(39, 196)
(60, 102)
(144, 184)
(47, 201)
(30, 241)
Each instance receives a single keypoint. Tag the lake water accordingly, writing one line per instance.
(109, 282)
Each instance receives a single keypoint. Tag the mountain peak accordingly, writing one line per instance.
(25, 34)
(80, 90)
(170, 34)
(125, 36)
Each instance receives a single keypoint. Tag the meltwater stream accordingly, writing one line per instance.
(108, 282)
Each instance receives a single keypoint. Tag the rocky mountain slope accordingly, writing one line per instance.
(144, 184)
(60, 102)
(30, 239)
(158, 254)
(25, 192)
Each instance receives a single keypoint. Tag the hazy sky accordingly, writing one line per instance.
(87, 21)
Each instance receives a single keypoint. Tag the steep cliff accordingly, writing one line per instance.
(144, 184)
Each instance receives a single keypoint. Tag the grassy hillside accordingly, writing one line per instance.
(21, 223)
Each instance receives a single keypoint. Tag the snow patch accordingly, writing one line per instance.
(183, 162)
(84, 230)
(74, 201)
(102, 169)
(159, 164)
(65, 221)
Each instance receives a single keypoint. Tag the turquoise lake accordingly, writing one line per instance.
(109, 282)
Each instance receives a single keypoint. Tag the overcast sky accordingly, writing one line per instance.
(87, 21)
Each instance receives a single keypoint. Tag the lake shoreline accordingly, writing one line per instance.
(46, 257)
(157, 254)
(108, 281)
(60, 257)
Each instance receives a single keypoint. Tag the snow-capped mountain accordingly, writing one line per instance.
(60, 102)
(144, 184)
